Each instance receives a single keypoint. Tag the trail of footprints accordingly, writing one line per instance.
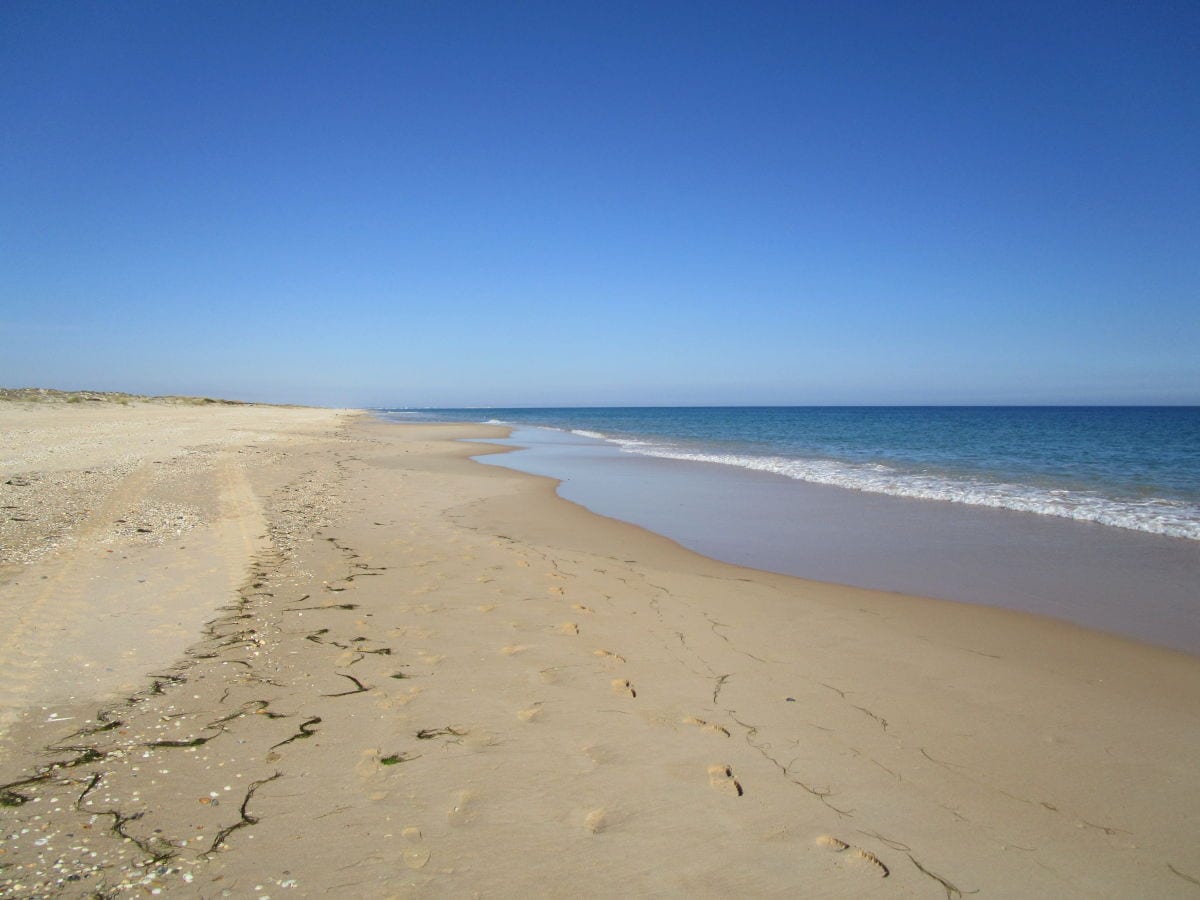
(721, 776)
(237, 638)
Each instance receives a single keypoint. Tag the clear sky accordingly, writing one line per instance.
(525, 203)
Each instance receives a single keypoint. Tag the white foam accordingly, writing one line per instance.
(1156, 516)
(588, 434)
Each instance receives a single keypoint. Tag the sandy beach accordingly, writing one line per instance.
(264, 651)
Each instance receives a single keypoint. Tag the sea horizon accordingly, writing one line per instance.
(1185, 405)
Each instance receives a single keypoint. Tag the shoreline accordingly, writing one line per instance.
(1130, 584)
(442, 678)
(987, 472)
(951, 614)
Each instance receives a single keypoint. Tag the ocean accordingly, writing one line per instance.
(1126, 467)
(1090, 514)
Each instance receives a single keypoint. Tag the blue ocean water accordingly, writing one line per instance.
(1126, 467)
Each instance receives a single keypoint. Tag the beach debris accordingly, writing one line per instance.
(155, 847)
(194, 742)
(359, 687)
(719, 685)
(950, 889)
(428, 734)
(246, 819)
(1184, 876)
(306, 730)
(395, 759)
(11, 798)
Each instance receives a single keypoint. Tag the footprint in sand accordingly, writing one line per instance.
(412, 632)
(829, 842)
(721, 778)
(416, 854)
(707, 726)
(347, 658)
(532, 713)
(609, 656)
(368, 763)
(568, 628)
(401, 698)
(866, 857)
(513, 649)
(600, 755)
(579, 607)
(462, 810)
(596, 821)
(623, 686)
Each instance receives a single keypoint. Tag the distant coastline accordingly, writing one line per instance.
(53, 395)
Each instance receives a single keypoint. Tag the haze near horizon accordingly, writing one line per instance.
(480, 204)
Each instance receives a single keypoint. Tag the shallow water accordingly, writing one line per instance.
(1141, 585)
(1128, 467)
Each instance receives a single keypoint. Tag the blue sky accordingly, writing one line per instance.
(632, 203)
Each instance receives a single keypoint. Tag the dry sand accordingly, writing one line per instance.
(345, 659)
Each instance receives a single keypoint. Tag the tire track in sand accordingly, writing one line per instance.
(30, 633)
(86, 621)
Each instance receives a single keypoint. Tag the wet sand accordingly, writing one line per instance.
(1131, 583)
(432, 677)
